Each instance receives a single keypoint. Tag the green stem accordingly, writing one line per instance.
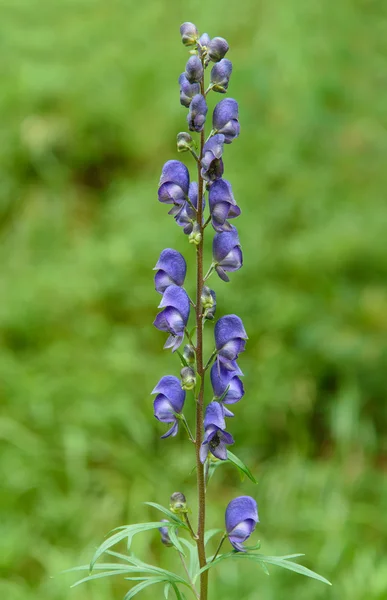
(200, 399)
(188, 576)
(219, 547)
(186, 427)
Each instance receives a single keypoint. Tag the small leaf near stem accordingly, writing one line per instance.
(209, 272)
(210, 360)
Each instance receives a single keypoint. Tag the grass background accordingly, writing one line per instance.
(90, 110)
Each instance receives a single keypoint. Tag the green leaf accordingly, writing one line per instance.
(107, 574)
(193, 330)
(175, 541)
(179, 594)
(193, 565)
(240, 465)
(279, 561)
(128, 531)
(183, 362)
(167, 587)
(141, 586)
(168, 513)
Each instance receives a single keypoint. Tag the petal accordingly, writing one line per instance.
(222, 274)
(223, 243)
(171, 193)
(176, 172)
(171, 432)
(240, 509)
(170, 387)
(163, 409)
(227, 328)
(224, 111)
(221, 191)
(162, 281)
(194, 69)
(173, 264)
(203, 452)
(176, 297)
(220, 451)
(214, 416)
(233, 261)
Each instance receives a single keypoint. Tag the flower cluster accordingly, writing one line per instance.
(188, 203)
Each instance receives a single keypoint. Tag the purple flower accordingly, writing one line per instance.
(174, 184)
(169, 400)
(220, 75)
(212, 163)
(171, 270)
(187, 90)
(194, 69)
(230, 336)
(174, 317)
(223, 378)
(227, 253)
(197, 113)
(225, 119)
(189, 34)
(186, 217)
(241, 519)
(217, 48)
(215, 438)
(222, 205)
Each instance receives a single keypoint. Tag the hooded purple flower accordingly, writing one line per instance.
(212, 163)
(215, 437)
(222, 205)
(217, 48)
(189, 33)
(196, 117)
(223, 378)
(171, 270)
(225, 119)
(220, 75)
(174, 317)
(194, 69)
(174, 185)
(187, 90)
(169, 400)
(241, 518)
(230, 336)
(227, 253)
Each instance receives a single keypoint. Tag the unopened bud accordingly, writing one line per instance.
(217, 48)
(188, 378)
(184, 142)
(195, 237)
(208, 302)
(178, 503)
(189, 34)
(189, 354)
(164, 532)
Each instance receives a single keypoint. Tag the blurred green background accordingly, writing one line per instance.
(90, 110)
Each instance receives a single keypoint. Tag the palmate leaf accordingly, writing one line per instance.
(279, 561)
(128, 532)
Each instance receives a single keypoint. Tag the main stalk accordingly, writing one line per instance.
(200, 369)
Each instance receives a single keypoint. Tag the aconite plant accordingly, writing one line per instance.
(200, 207)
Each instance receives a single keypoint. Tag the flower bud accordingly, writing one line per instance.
(194, 69)
(220, 75)
(184, 142)
(165, 539)
(208, 303)
(195, 237)
(178, 503)
(217, 49)
(189, 34)
(189, 354)
(188, 379)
